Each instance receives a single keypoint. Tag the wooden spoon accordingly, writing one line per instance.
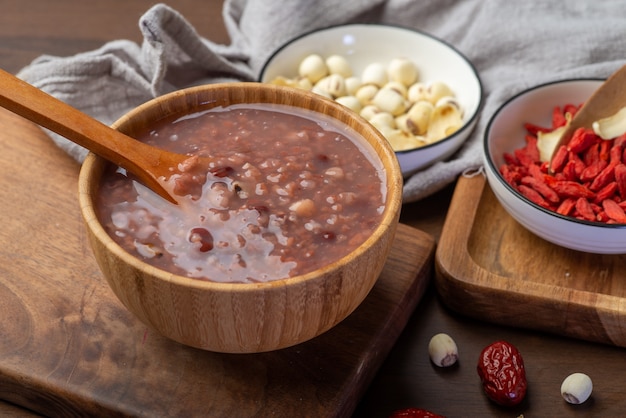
(607, 100)
(148, 163)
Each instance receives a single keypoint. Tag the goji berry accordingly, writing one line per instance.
(620, 141)
(614, 211)
(533, 196)
(603, 178)
(603, 150)
(615, 155)
(542, 188)
(581, 177)
(571, 109)
(536, 171)
(593, 170)
(566, 207)
(584, 209)
(606, 192)
(510, 176)
(620, 179)
(592, 154)
(502, 373)
(581, 140)
(414, 413)
(569, 171)
(579, 165)
(566, 188)
(534, 130)
(531, 149)
(603, 217)
(510, 159)
(558, 118)
(523, 157)
(559, 159)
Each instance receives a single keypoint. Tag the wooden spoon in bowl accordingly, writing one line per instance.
(607, 100)
(148, 163)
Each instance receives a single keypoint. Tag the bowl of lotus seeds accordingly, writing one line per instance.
(420, 92)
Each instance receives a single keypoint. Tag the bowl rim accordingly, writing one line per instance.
(467, 125)
(496, 170)
(92, 162)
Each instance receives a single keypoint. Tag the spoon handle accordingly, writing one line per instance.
(49, 112)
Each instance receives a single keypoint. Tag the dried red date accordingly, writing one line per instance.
(502, 373)
(414, 413)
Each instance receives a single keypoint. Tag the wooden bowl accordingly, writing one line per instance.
(237, 317)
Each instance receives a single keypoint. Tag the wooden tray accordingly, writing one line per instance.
(490, 268)
(69, 348)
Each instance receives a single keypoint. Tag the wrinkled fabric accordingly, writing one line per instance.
(513, 46)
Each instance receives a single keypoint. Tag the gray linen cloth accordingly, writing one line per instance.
(513, 45)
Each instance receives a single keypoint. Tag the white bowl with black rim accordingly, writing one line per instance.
(363, 44)
(505, 132)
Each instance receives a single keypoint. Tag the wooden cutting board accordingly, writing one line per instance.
(69, 348)
(490, 268)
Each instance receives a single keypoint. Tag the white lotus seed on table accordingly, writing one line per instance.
(402, 70)
(313, 67)
(442, 350)
(576, 388)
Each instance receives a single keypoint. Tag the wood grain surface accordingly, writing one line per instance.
(68, 346)
(491, 268)
(406, 378)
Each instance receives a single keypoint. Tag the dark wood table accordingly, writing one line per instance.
(407, 378)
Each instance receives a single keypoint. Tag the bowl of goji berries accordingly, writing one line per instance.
(577, 201)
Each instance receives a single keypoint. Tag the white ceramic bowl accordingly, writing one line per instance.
(363, 44)
(505, 133)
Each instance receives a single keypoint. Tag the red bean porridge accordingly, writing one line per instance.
(288, 191)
